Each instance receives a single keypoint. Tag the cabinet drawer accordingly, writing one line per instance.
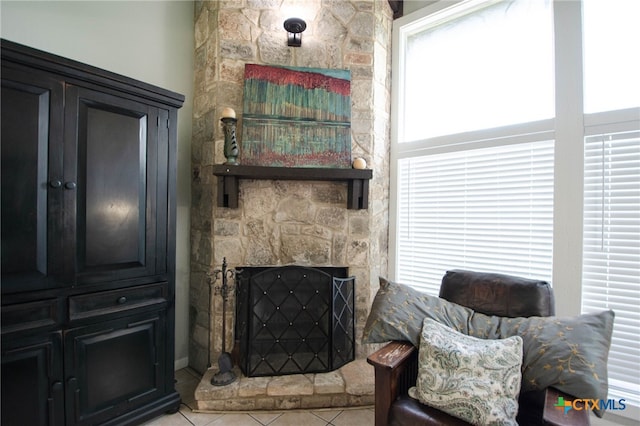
(26, 316)
(108, 302)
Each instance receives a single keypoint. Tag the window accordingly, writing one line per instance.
(475, 161)
(611, 59)
(611, 272)
(471, 68)
(611, 242)
(483, 89)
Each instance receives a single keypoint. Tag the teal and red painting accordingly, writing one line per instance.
(296, 117)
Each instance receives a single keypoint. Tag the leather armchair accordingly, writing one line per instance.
(396, 364)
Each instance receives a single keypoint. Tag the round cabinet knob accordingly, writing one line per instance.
(55, 183)
(122, 300)
(70, 185)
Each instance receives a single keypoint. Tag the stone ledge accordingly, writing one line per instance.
(350, 386)
(331, 382)
(295, 384)
(357, 382)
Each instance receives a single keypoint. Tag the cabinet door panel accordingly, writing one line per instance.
(32, 389)
(115, 176)
(115, 185)
(31, 167)
(113, 367)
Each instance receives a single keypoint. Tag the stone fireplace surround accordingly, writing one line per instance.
(284, 222)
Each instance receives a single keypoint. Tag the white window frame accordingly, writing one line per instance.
(567, 128)
(568, 166)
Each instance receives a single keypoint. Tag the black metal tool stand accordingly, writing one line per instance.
(225, 374)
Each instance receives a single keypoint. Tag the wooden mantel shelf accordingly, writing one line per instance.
(228, 176)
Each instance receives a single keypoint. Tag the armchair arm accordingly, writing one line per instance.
(553, 416)
(396, 369)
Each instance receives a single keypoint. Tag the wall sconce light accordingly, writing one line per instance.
(294, 27)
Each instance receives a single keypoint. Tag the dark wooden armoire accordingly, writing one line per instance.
(88, 243)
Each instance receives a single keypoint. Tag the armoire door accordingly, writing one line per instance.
(113, 149)
(114, 367)
(32, 380)
(32, 180)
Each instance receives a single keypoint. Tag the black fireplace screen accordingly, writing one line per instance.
(294, 319)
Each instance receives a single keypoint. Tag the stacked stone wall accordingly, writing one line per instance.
(287, 222)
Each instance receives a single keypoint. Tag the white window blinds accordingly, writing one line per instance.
(488, 209)
(611, 266)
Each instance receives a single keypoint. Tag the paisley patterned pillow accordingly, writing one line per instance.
(474, 379)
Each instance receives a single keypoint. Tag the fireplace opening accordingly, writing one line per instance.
(294, 319)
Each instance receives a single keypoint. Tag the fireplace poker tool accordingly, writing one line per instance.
(225, 374)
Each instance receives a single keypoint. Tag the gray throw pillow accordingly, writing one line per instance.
(398, 311)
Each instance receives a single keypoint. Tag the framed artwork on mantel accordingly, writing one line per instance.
(296, 117)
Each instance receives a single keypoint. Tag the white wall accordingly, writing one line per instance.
(150, 41)
(413, 5)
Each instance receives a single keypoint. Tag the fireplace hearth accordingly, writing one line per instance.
(294, 319)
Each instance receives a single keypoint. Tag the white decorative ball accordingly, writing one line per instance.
(359, 163)
(228, 113)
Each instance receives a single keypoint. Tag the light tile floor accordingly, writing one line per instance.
(187, 380)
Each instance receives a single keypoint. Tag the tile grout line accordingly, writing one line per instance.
(268, 423)
(328, 421)
(185, 417)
